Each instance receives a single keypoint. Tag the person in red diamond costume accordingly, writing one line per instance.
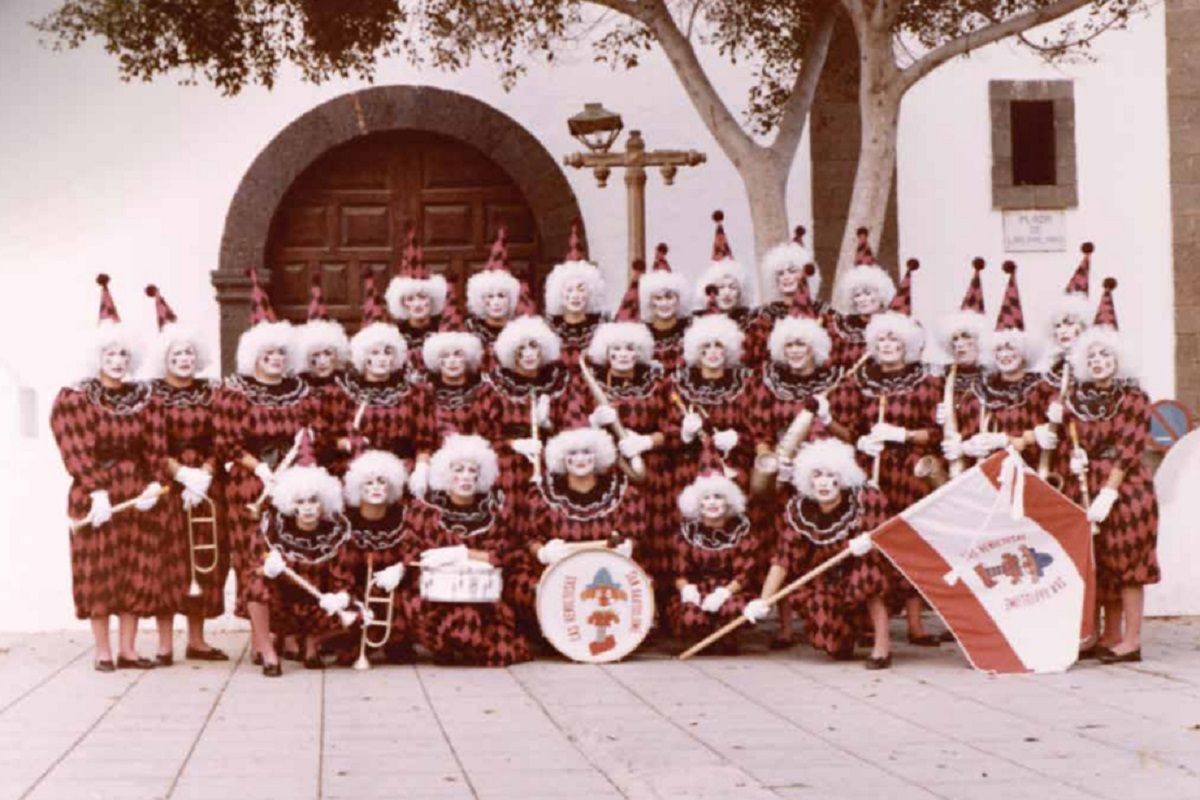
(463, 401)
(574, 301)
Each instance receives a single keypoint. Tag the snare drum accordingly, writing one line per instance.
(473, 582)
(595, 606)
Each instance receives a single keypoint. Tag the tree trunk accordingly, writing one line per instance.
(766, 190)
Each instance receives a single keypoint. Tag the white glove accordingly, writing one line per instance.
(388, 579)
(861, 545)
(784, 473)
(1101, 507)
(939, 414)
(690, 593)
(725, 440)
(149, 497)
(273, 565)
(823, 412)
(1045, 436)
(887, 432)
(553, 551)
(333, 602)
(1054, 412)
(716, 598)
(869, 445)
(981, 444)
(1079, 461)
(692, 423)
(756, 610)
(635, 444)
(191, 499)
(542, 411)
(193, 478)
(263, 472)
(952, 447)
(530, 448)
(444, 556)
(602, 415)
(100, 511)
(625, 548)
(418, 481)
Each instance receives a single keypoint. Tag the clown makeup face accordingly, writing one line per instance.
(622, 357)
(272, 361)
(890, 348)
(964, 346)
(826, 487)
(380, 361)
(308, 513)
(1101, 362)
(664, 304)
(713, 506)
(1066, 331)
(464, 478)
(580, 463)
(496, 305)
(712, 355)
(787, 280)
(575, 298)
(529, 356)
(418, 305)
(798, 355)
(375, 491)
(114, 362)
(453, 364)
(729, 294)
(181, 360)
(1009, 359)
(322, 362)
(865, 301)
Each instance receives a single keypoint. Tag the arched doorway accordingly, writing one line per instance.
(454, 165)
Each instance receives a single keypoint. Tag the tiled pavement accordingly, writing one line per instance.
(761, 725)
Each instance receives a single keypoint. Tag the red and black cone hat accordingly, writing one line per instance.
(498, 262)
(1106, 312)
(720, 249)
(454, 313)
(973, 299)
(575, 241)
(260, 304)
(163, 313)
(802, 305)
(316, 301)
(1010, 318)
(372, 309)
(629, 308)
(711, 464)
(412, 260)
(1079, 279)
(902, 302)
(862, 251)
(108, 309)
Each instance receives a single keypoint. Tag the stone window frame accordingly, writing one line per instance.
(1065, 192)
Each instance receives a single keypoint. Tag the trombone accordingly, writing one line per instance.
(371, 620)
(200, 524)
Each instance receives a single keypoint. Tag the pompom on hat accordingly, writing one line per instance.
(1078, 284)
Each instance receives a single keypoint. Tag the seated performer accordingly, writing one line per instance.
(662, 300)
(463, 401)
(306, 532)
(494, 297)
(184, 403)
(574, 302)
(111, 444)
(729, 278)
(864, 291)
(715, 555)
(464, 525)
(381, 542)
(833, 507)
(415, 298)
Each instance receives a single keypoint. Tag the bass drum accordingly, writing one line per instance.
(595, 606)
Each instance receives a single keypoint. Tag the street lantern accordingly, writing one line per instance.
(596, 127)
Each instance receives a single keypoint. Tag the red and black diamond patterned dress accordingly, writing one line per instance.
(327, 393)
(472, 407)
(575, 336)
(763, 320)
(668, 343)
(725, 404)
(187, 414)
(487, 334)
(478, 634)
(1011, 407)
(833, 604)
(111, 440)
(848, 332)
(382, 543)
(415, 336)
(710, 557)
(260, 420)
(398, 416)
(780, 393)
(318, 556)
(1112, 424)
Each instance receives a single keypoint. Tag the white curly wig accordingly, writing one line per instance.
(173, 334)
(110, 333)
(568, 274)
(715, 273)
(865, 276)
(1071, 305)
(903, 326)
(315, 335)
(374, 464)
(810, 331)
(598, 441)
(258, 338)
(689, 498)
(463, 447)
(295, 483)
(970, 322)
(713, 328)
(1110, 339)
(828, 454)
(434, 287)
(438, 344)
(610, 333)
(656, 281)
(526, 329)
(785, 255)
(486, 282)
(1022, 341)
(378, 333)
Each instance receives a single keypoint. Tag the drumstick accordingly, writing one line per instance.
(536, 477)
(358, 415)
(255, 508)
(878, 462)
(346, 617)
(1084, 492)
(79, 524)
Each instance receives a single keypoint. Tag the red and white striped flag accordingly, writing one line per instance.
(1005, 560)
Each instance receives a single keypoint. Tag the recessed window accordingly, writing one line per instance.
(1032, 142)
(1033, 145)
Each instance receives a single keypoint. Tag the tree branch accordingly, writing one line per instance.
(799, 104)
(976, 39)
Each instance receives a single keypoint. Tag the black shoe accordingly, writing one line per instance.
(273, 670)
(291, 655)
(945, 637)
(879, 663)
(104, 665)
(924, 640)
(314, 662)
(211, 654)
(782, 643)
(1095, 651)
(164, 660)
(1132, 657)
(134, 663)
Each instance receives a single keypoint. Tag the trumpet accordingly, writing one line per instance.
(636, 466)
(369, 620)
(200, 524)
